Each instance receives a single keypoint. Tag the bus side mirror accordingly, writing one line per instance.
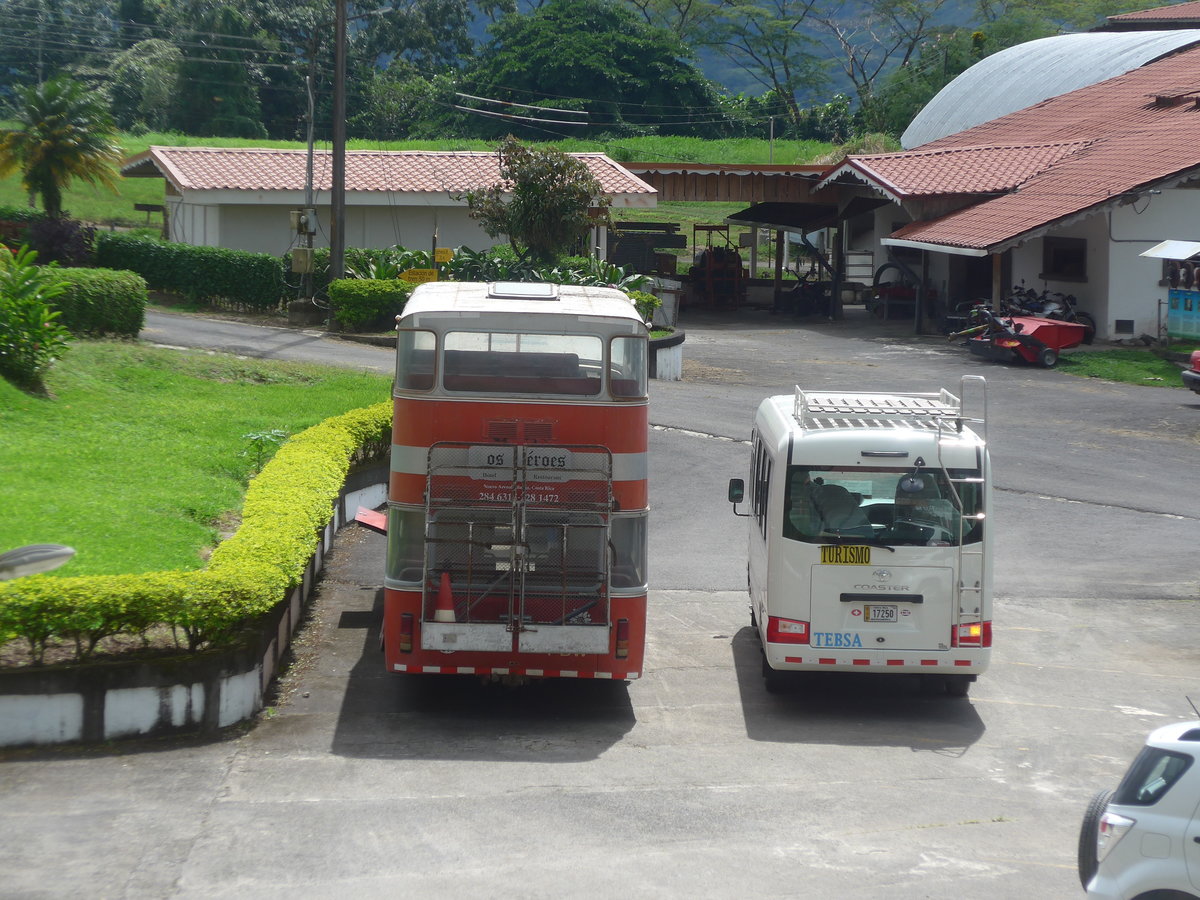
(737, 490)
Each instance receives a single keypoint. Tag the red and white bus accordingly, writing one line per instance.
(517, 500)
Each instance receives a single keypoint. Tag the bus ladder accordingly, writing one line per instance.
(976, 554)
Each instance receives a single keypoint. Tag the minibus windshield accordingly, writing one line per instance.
(889, 506)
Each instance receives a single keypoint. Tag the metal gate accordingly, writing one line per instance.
(516, 548)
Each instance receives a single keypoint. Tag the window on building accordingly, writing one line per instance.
(1064, 259)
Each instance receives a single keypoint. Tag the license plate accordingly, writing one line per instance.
(846, 555)
(881, 613)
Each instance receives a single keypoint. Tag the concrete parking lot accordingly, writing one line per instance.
(693, 781)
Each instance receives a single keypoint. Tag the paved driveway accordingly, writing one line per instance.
(693, 781)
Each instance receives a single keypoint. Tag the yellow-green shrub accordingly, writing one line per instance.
(286, 507)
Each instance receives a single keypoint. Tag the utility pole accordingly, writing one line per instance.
(337, 199)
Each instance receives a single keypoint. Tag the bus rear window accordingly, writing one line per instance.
(511, 363)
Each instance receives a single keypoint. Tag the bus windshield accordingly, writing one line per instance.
(890, 506)
(519, 363)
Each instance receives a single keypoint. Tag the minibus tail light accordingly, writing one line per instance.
(971, 634)
(786, 631)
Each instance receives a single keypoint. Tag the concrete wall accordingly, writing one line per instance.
(266, 228)
(1092, 294)
(204, 692)
(1134, 291)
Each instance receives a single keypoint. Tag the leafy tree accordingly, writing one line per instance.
(543, 203)
(429, 33)
(1047, 17)
(868, 42)
(686, 19)
(39, 38)
(220, 76)
(64, 132)
(771, 41)
(143, 81)
(399, 103)
(904, 92)
(634, 76)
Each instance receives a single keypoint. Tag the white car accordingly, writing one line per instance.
(1142, 841)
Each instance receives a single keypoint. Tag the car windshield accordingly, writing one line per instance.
(891, 506)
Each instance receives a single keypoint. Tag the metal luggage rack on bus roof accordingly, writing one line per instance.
(894, 409)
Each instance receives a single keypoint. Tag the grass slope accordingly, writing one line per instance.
(141, 453)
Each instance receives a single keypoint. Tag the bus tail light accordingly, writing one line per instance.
(406, 632)
(786, 631)
(622, 639)
(972, 634)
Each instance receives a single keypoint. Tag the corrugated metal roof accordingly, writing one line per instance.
(395, 171)
(1133, 142)
(1029, 73)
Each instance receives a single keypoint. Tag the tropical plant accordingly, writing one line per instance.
(64, 133)
(30, 338)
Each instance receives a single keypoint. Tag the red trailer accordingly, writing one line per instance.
(1026, 338)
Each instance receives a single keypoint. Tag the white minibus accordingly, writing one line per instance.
(870, 543)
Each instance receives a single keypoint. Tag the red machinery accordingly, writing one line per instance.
(1012, 338)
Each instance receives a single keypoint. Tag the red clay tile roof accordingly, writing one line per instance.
(1176, 13)
(957, 170)
(1121, 141)
(406, 171)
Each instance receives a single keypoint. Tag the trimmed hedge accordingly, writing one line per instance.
(102, 301)
(202, 274)
(21, 214)
(360, 302)
(286, 508)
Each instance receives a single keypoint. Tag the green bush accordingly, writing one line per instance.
(21, 214)
(365, 262)
(30, 338)
(645, 304)
(201, 274)
(286, 509)
(365, 302)
(102, 301)
(14, 225)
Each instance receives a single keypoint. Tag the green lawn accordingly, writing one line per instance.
(1124, 365)
(141, 454)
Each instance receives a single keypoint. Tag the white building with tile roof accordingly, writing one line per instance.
(242, 198)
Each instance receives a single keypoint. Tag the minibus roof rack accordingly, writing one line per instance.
(868, 409)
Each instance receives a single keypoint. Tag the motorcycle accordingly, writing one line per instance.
(1023, 301)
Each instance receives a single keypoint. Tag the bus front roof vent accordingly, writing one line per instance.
(519, 290)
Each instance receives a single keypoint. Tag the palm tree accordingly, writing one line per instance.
(66, 133)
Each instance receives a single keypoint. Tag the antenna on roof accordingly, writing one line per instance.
(1192, 705)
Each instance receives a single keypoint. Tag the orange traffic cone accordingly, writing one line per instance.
(444, 612)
